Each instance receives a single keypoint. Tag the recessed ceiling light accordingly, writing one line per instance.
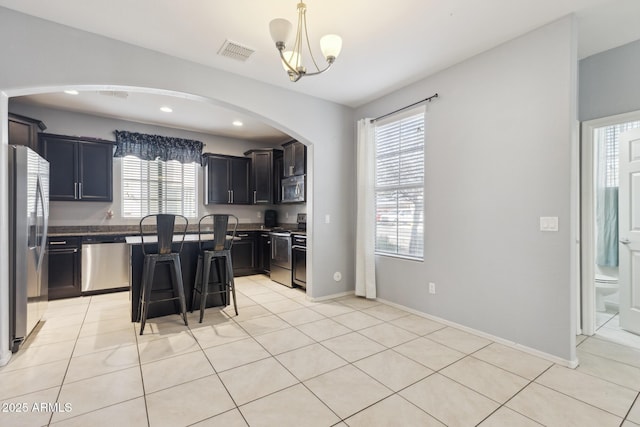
(166, 109)
(237, 123)
(71, 92)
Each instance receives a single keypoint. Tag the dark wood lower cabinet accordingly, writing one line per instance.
(264, 253)
(244, 253)
(64, 265)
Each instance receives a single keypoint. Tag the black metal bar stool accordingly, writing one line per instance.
(166, 227)
(221, 252)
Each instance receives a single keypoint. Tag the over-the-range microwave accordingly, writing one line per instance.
(293, 189)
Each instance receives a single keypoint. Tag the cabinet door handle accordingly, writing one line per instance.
(243, 235)
(80, 191)
(62, 242)
(75, 190)
(290, 170)
(254, 196)
(231, 196)
(63, 251)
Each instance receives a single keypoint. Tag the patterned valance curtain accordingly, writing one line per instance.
(152, 147)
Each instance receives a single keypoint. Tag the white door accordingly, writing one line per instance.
(629, 230)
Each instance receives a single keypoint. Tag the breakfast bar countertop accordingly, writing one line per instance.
(134, 230)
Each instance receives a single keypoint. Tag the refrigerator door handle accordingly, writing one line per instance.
(43, 237)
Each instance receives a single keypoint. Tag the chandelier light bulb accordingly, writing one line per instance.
(280, 30)
(331, 45)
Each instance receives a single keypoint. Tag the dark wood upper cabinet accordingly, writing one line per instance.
(264, 187)
(227, 180)
(96, 171)
(295, 159)
(24, 131)
(79, 168)
(278, 167)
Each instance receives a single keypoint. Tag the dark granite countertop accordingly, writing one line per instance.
(134, 230)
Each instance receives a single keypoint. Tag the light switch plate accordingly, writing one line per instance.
(548, 223)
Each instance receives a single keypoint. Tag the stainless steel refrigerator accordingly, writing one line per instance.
(28, 223)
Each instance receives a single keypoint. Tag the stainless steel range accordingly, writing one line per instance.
(281, 255)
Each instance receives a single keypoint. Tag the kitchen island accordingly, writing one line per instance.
(162, 279)
(251, 254)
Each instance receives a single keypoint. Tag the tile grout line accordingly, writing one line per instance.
(514, 395)
(144, 391)
(69, 361)
(219, 379)
(287, 369)
(626, 416)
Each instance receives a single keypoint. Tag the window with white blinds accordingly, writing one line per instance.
(399, 184)
(154, 186)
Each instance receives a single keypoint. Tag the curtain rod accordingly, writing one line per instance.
(404, 108)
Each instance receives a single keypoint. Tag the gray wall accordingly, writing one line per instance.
(41, 56)
(498, 156)
(610, 82)
(78, 124)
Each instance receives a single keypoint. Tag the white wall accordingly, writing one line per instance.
(498, 156)
(40, 56)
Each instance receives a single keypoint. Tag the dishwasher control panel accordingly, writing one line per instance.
(103, 238)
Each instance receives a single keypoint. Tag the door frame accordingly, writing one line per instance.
(587, 208)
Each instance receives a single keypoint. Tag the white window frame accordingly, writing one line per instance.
(187, 197)
(408, 183)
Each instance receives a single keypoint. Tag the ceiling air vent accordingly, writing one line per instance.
(235, 50)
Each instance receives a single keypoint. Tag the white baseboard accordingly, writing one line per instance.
(550, 357)
(328, 297)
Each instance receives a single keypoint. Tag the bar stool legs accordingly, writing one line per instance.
(203, 272)
(150, 263)
(231, 282)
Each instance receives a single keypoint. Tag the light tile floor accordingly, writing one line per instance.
(285, 361)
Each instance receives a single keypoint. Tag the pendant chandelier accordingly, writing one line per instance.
(292, 58)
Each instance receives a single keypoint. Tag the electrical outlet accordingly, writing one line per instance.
(432, 288)
(259, 214)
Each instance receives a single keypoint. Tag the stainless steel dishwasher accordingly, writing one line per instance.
(105, 263)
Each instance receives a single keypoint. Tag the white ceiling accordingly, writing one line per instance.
(386, 45)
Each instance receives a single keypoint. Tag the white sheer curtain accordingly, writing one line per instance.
(365, 228)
